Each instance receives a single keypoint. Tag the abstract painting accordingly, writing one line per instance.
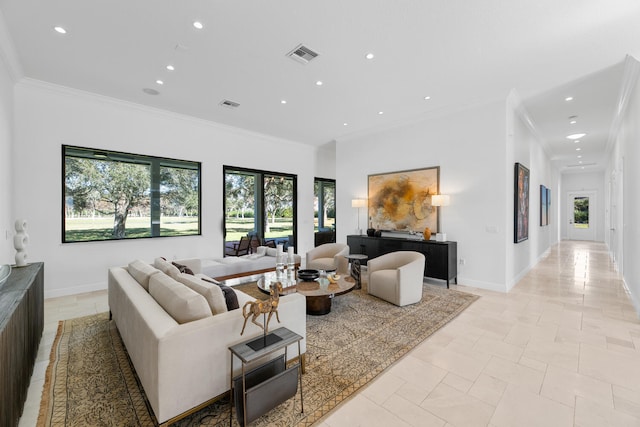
(402, 200)
(521, 201)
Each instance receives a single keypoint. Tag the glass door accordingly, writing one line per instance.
(581, 216)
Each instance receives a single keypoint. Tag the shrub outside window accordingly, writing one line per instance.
(111, 195)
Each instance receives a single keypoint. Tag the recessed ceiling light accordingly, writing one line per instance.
(171, 67)
(569, 98)
(380, 112)
(576, 135)
(573, 122)
(578, 149)
(427, 98)
(576, 141)
(60, 30)
(283, 101)
(580, 156)
(580, 162)
(150, 91)
(198, 25)
(369, 56)
(345, 124)
(160, 82)
(319, 83)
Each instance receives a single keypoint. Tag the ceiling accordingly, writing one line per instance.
(457, 52)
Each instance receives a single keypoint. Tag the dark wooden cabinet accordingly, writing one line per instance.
(441, 257)
(21, 325)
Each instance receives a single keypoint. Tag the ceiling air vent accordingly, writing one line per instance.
(302, 54)
(229, 104)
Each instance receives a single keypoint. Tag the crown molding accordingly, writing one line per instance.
(119, 103)
(629, 81)
(8, 53)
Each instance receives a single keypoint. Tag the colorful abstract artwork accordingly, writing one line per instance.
(402, 200)
(521, 201)
(545, 202)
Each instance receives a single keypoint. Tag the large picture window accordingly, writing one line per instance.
(110, 195)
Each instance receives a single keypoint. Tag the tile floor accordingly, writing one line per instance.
(561, 349)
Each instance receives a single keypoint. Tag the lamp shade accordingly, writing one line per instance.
(439, 200)
(358, 203)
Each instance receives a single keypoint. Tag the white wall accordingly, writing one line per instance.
(49, 116)
(524, 147)
(623, 169)
(6, 143)
(589, 182)
(469, 147)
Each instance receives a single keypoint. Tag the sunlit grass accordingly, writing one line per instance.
(88, 229)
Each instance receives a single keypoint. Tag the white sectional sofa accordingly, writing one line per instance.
(228, 267)
(184, 364)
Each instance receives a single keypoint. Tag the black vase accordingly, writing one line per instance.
(371, 232)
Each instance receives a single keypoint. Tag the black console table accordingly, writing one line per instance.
(441, 257)
(21, 325)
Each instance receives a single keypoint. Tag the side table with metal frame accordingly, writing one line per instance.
(269, 384)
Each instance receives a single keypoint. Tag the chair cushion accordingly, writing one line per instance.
(183, 304)
(141, 272)
(322, 264)
(212, 293)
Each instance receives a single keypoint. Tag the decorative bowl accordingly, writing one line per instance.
(308, 275)
(5, 271)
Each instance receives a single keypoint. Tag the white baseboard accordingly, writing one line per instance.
(63, 292)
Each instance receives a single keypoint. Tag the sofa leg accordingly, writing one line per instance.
(110, 315)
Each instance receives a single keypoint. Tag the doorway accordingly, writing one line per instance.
(581, 210)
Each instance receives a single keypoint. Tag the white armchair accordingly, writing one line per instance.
(330, 256)
(397, 277)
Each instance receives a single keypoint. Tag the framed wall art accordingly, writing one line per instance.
(521, 202)
(402, 200)
(544, 206)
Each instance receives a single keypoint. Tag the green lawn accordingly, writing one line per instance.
(87, 229)
(238, 227)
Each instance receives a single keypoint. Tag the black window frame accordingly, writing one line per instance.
(259, 209)
(155, 195)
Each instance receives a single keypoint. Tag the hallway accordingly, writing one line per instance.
(561, 349)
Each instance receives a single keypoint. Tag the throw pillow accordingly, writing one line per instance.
(212, 293)
(183, 268)
(183, 304)
(230, 297)
(166, 267)
(141, 272)
(261, 250)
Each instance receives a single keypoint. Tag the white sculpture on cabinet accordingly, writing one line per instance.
(20, 242)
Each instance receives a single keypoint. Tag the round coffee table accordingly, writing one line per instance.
(318, 300)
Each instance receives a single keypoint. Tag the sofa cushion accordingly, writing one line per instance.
(183, 268)
(183, 304)
(230, 297)
(141, 272)
(166, 267)
(211, 292)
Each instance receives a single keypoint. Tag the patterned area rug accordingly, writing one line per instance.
(90, 380)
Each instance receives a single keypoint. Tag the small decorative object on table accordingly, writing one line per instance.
(259, 307)
(427, 233)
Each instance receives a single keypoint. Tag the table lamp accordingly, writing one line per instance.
(440, 200)
(359, 203)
